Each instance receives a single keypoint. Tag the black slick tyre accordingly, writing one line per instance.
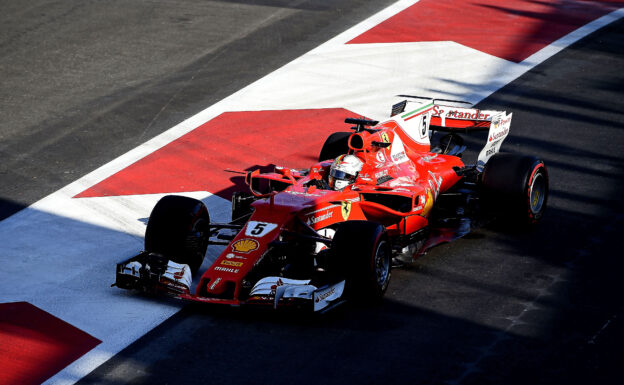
(335, 145)
(362, 254)
(178, 229)
(516, 188)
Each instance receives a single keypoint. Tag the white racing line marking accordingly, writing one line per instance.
(60, 252)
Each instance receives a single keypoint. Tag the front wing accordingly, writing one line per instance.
(155, 274)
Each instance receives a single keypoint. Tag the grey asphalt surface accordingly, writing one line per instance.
(86, 81)
(493, 308)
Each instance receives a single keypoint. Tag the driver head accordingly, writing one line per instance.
(343, 171)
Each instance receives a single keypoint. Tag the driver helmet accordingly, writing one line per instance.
(343, 171)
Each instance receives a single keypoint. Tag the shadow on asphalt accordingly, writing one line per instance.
(9, 207)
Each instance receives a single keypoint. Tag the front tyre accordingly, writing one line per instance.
(362, 254)
(178, 228)
(517, 185)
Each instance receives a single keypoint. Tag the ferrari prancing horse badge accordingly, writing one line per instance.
(346, 210)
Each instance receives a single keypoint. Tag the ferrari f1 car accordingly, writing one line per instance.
(379, 197)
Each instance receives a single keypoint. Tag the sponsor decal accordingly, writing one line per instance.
(278, 283)
(435, 183)
(234, 256)
(278, 290)
(215, 283)
(226, 269)
(491, 151)
(461, 113)
(499, 129)
(496, 121)
(245, 245)
(380, 157)
(466, 115)
(399, 157)
(231, 263)
(179, 274)
(500, 134)
(176, 274)
(397, 151)
(324, 296)
(346, 210)
(502, 121)
(327, 215)
(384, 137)
(381, 173)
(259, 229)
(536, 198)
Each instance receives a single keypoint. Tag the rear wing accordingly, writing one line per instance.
(456, 119)
(452, 119)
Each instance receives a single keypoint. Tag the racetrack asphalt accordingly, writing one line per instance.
(495, 307)
(86, 81)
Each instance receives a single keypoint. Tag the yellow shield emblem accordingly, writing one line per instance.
(245, 245)
(428, 204)
(384, 137)
(346, 210)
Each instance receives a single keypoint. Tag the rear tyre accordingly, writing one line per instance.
(362, 254)
(335, 145)
(178, 229)
(517, 188)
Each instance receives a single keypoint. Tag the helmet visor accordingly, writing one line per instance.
(337, 174)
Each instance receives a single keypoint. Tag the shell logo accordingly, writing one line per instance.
(245, 245)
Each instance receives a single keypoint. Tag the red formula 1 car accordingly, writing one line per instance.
(378, 197)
